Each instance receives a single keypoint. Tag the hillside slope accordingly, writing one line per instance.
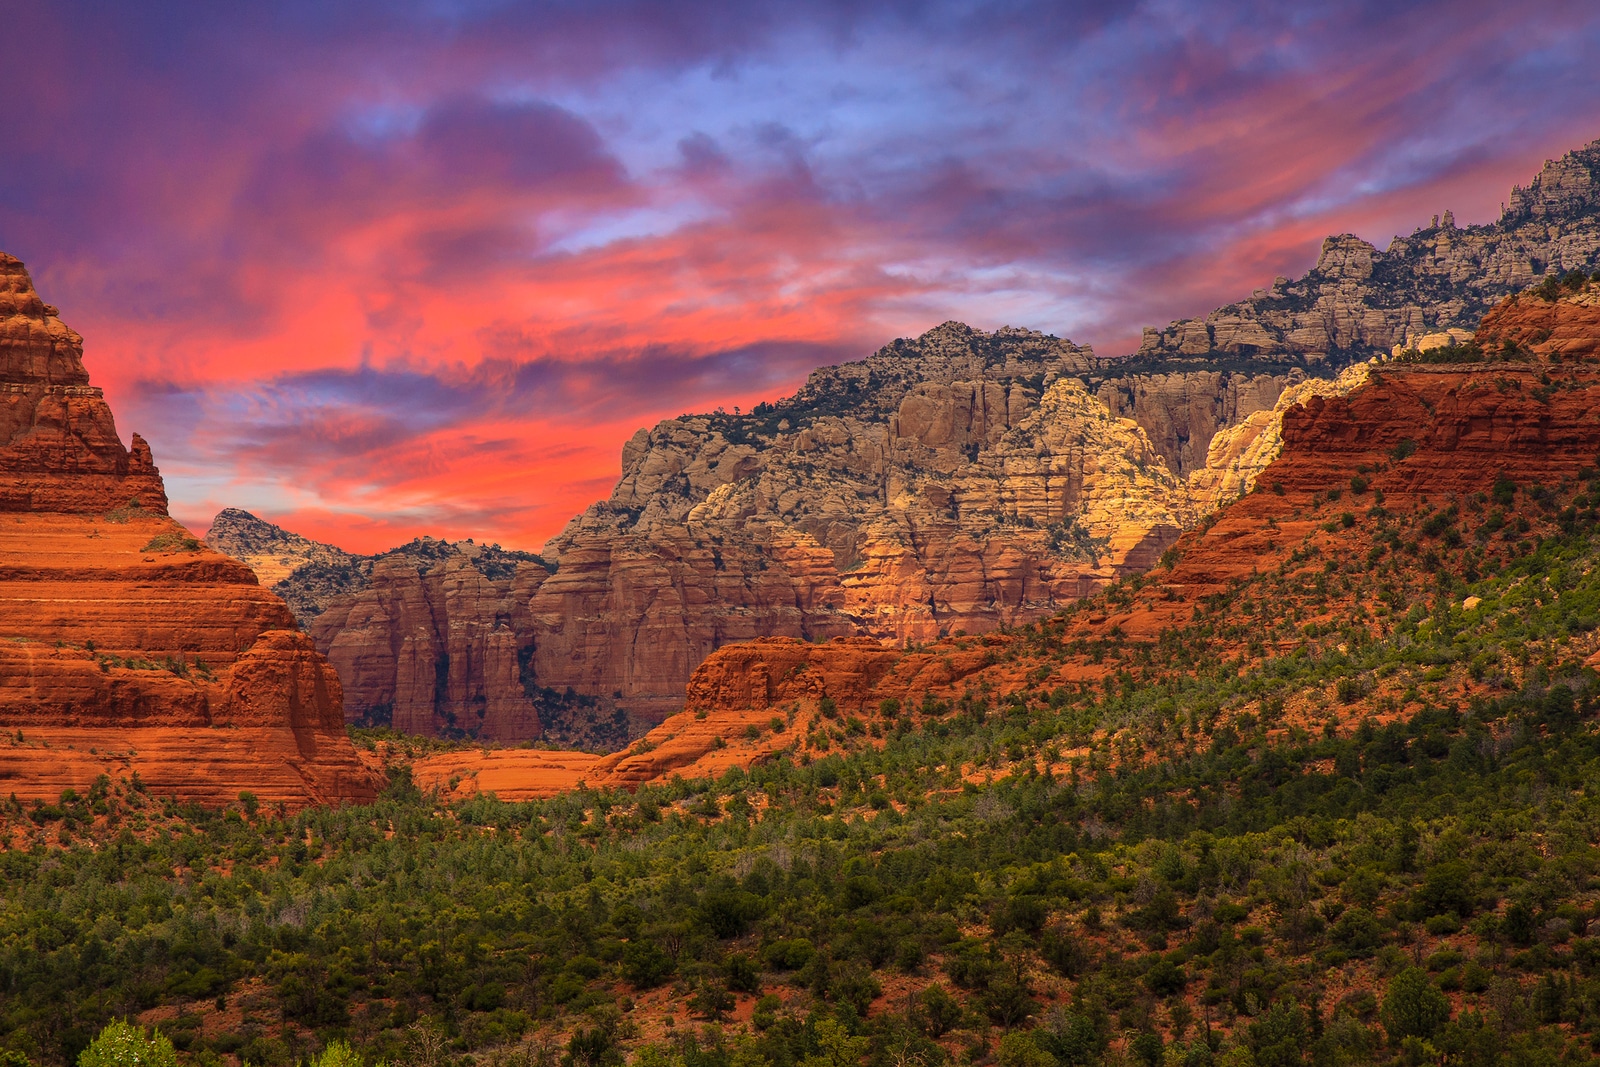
(1384, 506)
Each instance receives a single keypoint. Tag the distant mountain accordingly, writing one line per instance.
(1358, 301)
(960, 480)
(308, 574)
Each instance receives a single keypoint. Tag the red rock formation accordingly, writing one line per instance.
(1464, 426)
(59, 449)
(1561, 329)
(434, 648)
(125, 645)
(960, 480)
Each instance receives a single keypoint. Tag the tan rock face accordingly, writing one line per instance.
(958, 481)
(1465, 425)
(115, 624)
(1359, 301)
(1182, 409)
(272, 552)
(1239, 453)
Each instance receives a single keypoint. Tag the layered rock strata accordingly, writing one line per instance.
(126, 646)
(1182, 407)
(427, 637)
(960, 480)
(1239, 453)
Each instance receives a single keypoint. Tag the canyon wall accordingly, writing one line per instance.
(960, 480)
(126, 646)
(1423, 440)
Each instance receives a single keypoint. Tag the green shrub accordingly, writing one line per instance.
(1018, 1049)
(644, 965)
(1413, 1007)
(121, 1044)
(337, 1054)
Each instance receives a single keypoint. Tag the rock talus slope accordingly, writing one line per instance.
(126, 645)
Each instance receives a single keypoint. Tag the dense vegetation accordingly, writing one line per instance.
(1186, 861)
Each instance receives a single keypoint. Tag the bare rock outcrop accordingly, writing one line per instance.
(1182, 408)
(59, 448)
(955, 481)
(128, 645)
(271, 551)
(428, 637)
(1423, 434)
(960, 480)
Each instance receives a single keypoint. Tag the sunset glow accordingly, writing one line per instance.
(422, 268)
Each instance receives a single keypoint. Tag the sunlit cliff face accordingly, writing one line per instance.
(395, 270)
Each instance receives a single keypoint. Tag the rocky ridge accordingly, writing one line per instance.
(1358, 301)
(1391, 467)
(425, 634)
(275, 553)
(960, 480)
(1239, 453)
(309, 574)
(129, 647)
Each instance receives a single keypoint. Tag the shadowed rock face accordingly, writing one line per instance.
(125, 644)
(425, 636)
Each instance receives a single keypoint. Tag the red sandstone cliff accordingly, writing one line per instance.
(125, 645)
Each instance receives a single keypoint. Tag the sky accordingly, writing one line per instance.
(381, 269)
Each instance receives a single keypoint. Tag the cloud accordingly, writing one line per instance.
(403, 268)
